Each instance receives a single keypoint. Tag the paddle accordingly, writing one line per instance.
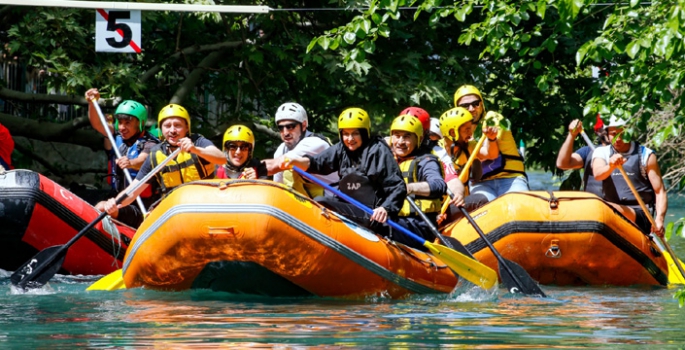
(113, 281)
(660, 243)
(449, 242)
(515, 278)
(110, 137)
(464, 174)
(470, 269)
(38, 271)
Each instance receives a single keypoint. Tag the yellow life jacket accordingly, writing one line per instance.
(409, 173)
(186, 167)
(294, 180)
(509, 163)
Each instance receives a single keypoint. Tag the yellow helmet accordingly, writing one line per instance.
(238, 133)
(354, 118)
(466, 90)
(408, 123)
(173, 110)
(453, 119)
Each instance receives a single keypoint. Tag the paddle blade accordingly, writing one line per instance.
(40, 269)
(451, 242)
(113, 281)
(470, 269)
(521, 282)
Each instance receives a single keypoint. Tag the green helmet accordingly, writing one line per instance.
(134, 109)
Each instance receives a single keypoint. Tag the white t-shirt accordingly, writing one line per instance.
(310, 145)
(604, 152)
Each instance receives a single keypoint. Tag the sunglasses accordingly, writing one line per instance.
(473, 104)
(287, 126)
(234, 147)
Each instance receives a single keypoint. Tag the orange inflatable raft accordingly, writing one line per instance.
(258, 237)
(564, 238)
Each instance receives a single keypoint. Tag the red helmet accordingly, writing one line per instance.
(419, 113)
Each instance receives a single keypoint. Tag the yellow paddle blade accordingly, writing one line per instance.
(470, 269)
(113, 281)
(674, 275)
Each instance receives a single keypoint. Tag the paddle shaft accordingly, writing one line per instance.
(637, 196)
(358, 204)
(110, 137)
(423, 216)
(37, 270)
(464, 172)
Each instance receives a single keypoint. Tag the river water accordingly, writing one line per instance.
(63, 315)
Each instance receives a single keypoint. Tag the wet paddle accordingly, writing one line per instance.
(470, 269)
(40, 269)
(449, 242)
(515, 278)
(113, 281)
(110, 137)
(669, 254)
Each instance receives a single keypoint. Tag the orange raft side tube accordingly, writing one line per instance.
(258, 237)
(570, 238)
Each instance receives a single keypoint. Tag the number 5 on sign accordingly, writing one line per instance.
(117, 31)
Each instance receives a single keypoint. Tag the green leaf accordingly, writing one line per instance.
(349, 38)
(542, 7)
(324, 42)
(632, 49)
(311, 45)
(582, 51)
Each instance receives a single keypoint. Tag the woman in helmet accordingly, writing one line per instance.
(456, 127)
(367, 169)
(197, 160)
(134, 144)
(238, 146)
(422, 172)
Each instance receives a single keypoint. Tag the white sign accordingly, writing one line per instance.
(117, 31)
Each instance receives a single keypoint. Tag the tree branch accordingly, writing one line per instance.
(53, 132)
(187, 51)
(14, 95)
(194, 77)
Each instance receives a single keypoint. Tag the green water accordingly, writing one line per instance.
(63, 315)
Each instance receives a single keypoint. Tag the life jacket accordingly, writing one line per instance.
(409, 174)
(616, 190)
(508, 164)
(223, 172)
(359, 187)
(589, 183)
(460, 157)
(130, 152)
(300, 184)
(186, 167)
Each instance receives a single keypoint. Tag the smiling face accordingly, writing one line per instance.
(352, 138)
(174, 129)
(473, 104)
(614, 135)
(237, 152)
(403, 143)
(128, 126)
(466, 132)
(291, 132)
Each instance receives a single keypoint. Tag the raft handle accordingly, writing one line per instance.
(554, 251)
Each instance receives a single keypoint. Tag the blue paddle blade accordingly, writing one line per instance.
(40, 269)
(520, 282)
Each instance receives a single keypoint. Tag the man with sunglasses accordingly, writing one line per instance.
(292, 123)
(134, 144)
(506, 173)
(639, 163)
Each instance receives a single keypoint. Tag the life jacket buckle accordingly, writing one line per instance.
(554, 251)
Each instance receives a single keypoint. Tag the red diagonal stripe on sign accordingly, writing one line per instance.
(132, 44)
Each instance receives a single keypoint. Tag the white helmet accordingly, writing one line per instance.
(291, 111)
(435, 126)
(615, 121)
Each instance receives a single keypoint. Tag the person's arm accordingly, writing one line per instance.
(386, 171)
(661, 204)
(93, 117)
(490, 147)
(113, 209)
(566, 158)
(601, 170)
(431, 184)
(457, 187)
(204, 149)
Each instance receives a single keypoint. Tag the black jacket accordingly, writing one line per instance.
(373, 160)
